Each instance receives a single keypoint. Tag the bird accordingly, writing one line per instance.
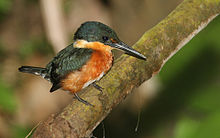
(86, 60)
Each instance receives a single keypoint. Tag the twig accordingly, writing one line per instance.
(29, 134)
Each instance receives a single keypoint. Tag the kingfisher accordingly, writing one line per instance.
(84, 61)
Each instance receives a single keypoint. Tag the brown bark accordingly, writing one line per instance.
(158, 44)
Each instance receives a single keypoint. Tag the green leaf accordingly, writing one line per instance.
(29, 47)
(207, 99)
(209, 128)
(19, 131)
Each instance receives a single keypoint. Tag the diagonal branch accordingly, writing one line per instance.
(158, 44)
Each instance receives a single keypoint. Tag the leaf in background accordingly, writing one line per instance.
(20, 131)
(5, 5)
(186, 128)
(205, 128)
(207, 100)
(203, 120)
(209, 127)
(7, 98)
(29, 47)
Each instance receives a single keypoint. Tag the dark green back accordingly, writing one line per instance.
(67, 60)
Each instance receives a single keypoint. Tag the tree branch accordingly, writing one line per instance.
(158, 44)
(54, 23)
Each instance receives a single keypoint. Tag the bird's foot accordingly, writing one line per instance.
(98, 87)
(82, 100)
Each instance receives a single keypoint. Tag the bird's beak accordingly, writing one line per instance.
(128, 50)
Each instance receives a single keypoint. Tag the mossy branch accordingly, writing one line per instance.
(158, 44)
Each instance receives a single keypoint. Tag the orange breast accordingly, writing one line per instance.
(94, 69)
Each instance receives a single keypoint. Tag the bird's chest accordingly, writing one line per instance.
(99, 63)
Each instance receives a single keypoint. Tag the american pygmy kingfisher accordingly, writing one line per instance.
(85, 61)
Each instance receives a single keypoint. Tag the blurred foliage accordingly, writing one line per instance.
(20, 131)
(34, 45)
(5, 6)
(205, 121)
(8, 101)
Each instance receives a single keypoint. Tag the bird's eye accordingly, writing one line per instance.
(105, 38)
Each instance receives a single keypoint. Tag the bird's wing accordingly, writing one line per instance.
(66, 61)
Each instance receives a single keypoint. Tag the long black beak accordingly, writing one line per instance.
(128, 50)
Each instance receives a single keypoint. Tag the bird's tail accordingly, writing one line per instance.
(34, 70)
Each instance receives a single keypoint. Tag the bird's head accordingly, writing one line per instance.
(93, 31)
